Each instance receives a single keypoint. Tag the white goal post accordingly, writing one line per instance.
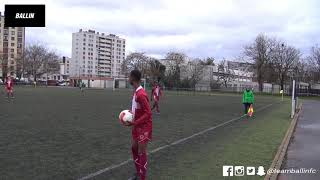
(125, 80)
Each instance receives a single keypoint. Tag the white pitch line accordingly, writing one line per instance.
(166, 146)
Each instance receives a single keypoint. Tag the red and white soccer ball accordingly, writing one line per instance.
(126, 116)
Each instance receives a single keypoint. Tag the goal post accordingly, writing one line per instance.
(293, 99)
(123, 83)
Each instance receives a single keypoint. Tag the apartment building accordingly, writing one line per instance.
(12, 43)
(96, 54)
(65, 66)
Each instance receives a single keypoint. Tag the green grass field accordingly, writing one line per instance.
(57, 133)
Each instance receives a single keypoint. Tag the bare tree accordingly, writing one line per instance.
(194, 71)
(208, 61)
(173, 62)
(2, 64)
(156, 70)
(39, 60)
(225, 74)
(284, 59)
(136, 60)
(259, 54)
(314, 62)
(301, 71)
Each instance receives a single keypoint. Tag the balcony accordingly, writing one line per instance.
(104, 62)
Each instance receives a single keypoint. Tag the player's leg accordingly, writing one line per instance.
(11, 92)
(8, 93)
(142, 148)
(135, 154)
(153, 106)
(157, 106)
(245, 108)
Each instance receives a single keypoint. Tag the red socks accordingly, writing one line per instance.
(135, 158)
(143, 165)
(140, 161)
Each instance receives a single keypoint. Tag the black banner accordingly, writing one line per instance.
(24, 15)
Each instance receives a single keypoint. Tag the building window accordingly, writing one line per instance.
(19, 40)
(19, 28)
(84, 35)
(84, 44)
(12, 55)
(84, 57)
(13, 33)
(12, 50)
(84, 48)
(5, 38)
(12, 44)
(12, 38)
(84, 39)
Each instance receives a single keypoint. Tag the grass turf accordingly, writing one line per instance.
(57, 133)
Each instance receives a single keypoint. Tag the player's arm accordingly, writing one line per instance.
(143, 101)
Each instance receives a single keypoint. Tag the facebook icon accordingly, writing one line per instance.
(227, 171)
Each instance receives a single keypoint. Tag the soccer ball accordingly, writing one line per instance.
(126, 116)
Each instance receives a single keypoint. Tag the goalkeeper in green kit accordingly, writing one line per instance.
(247, 99)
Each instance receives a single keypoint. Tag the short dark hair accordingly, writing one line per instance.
(136, 75)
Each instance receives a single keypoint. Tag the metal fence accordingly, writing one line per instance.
(267, 91)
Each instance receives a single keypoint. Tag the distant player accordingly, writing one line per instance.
(9, 87)
(81, 87)
(142, 125)
(155, 95)
(247, 99)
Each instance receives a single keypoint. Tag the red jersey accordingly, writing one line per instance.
(9, 84)
(142, 124)
(141, 107)
(156, 92)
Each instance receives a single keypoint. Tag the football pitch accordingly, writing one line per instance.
(59, 133)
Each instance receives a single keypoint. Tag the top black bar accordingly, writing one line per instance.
(24, 15)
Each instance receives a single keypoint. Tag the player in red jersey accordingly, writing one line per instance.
(9, 87)
(141, 126)
(156, 93)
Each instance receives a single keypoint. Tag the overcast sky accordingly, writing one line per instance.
(200, 28)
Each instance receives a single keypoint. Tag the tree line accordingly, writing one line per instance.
(276, 61)
(169, 70)
(36, 60)
(273, 61)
